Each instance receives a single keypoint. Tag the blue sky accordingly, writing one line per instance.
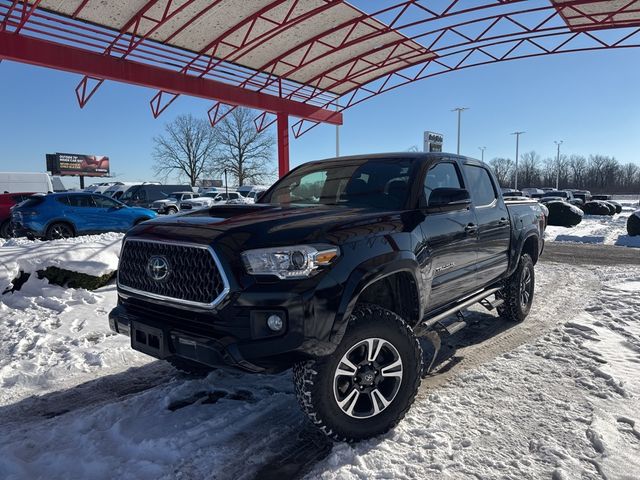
(588, 100)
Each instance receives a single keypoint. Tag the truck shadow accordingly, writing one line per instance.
(482, 326)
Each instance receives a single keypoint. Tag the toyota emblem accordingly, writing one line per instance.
(158, 268)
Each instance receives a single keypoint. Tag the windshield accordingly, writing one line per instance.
(381, 183)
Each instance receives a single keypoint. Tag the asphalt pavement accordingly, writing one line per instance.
(584, 254)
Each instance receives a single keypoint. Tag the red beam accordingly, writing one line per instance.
(283, 144)
(43, 53)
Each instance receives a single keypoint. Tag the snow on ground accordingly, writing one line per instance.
(598, 229)
(555, 397)
(93, 255)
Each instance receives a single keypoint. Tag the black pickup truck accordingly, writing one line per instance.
(337, 271)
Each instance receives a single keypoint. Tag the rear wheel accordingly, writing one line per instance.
(518, 291)
(59, 230)
(367, 386)
(5, 229)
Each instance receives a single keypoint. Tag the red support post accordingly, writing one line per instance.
(283, 143)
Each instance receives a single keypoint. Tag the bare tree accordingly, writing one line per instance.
(244, 152)
(578, 165)
(503, 169)
(187, 148)
(529, 169)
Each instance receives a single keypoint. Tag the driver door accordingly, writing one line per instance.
(114, 218)
(449, 239)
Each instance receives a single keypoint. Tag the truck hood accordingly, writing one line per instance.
(263, 225)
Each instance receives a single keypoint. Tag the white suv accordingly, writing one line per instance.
(210, 199)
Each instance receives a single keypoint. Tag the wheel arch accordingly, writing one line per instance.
(389, 281)
(60, 220)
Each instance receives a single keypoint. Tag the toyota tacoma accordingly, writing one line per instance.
(336, 271)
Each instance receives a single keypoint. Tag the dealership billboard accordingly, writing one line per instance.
(433, 142)
(77, 164)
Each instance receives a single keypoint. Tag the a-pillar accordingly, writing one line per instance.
(283, 143)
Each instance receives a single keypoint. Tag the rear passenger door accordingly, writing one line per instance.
(450, 240)
(494, 230)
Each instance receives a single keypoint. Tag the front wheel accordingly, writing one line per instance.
(172, 211)
(367, 386)
(517, 292)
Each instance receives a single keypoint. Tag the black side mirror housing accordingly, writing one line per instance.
(448, 199)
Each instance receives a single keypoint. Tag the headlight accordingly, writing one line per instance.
(298, 261)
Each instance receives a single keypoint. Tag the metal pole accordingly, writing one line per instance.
(226, 185)
(337, 136)
(459, 110)
(558, 165)
(517, 134)
(482, 149)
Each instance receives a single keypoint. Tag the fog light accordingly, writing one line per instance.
(275, 323)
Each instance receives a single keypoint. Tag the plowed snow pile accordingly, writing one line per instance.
(598, 229)
(556, 397)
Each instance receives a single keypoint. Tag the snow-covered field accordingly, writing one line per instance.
(556, 397)
(599, 229)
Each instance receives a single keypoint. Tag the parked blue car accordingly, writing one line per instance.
(62, 215)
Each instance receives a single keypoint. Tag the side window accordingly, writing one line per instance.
(82, 201)
(442, 175)
(104, 202)
(141, 195)
(63, 199)
(481, 186)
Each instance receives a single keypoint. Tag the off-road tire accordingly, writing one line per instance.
(314, 379)
(188, 366)
(5, 229)
(513, 309)
(172, 211)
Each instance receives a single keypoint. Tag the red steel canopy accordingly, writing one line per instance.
(310, 59)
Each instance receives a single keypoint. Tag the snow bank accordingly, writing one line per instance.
(596, 229)
(94, 255)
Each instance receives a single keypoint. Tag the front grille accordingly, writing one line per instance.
(193, 274)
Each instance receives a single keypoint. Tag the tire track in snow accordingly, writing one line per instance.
(560, 294)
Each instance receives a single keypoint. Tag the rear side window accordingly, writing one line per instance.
(442, 175)
(480, 186)
(32, 201)
(81, 201)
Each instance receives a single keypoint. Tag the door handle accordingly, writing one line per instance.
(503, 221)
(471, 229)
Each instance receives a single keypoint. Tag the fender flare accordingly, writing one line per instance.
(366, 274)
(517, 252)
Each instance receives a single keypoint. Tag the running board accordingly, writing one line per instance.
(424, 327)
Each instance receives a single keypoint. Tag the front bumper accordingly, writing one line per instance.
(160, 341)
(236, 335)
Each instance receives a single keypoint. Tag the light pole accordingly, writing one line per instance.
(459, 110)
(517, 134)
(558, 143)
(482, 149)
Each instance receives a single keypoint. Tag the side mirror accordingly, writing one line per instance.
(448, 199)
